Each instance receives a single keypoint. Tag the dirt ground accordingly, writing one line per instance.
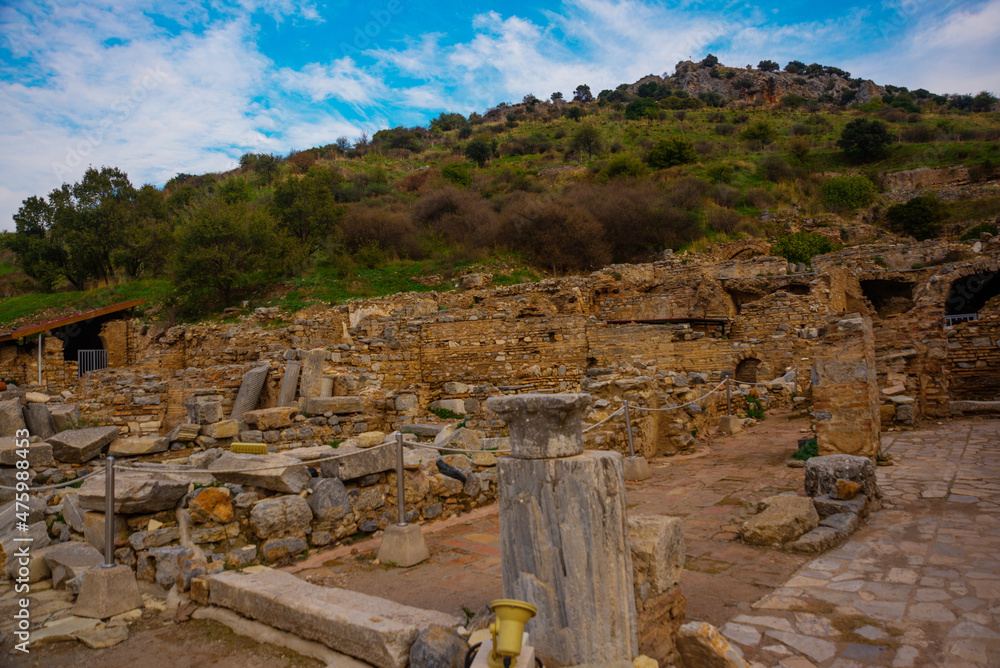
(713, 490)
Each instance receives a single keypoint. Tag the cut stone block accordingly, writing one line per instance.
(223, 429)
(135, 493)
(785, 517)
(636, 468)
(79, 446)
(289, 383)
(280, 516)
(359, 462)
(28, 566)
(702, 646)
(456, 406)
(274, 472)
(11, 418)
(335, 405)
(368, 628)
(137, 445)
(822, 474)
(71, 511)
(729, 425)
(657, 545)
(204, 412)
(70, 559)
(403, 545)
(184, 432)
(267, 419)
(311, 380)
(39, 455)
(106, 592)
(64, 416)
(38, 420)
(93, 530)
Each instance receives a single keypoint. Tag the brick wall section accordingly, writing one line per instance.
(974, 359)
(845, 390)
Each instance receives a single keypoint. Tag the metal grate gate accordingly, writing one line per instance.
(89, 360)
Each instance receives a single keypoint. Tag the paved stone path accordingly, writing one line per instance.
(918, 586)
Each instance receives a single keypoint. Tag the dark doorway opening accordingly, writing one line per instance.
(746, 371)
(888, 297)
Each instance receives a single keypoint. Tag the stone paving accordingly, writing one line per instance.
(918, 586)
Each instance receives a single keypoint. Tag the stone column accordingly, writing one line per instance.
(249, 394)
(564, 533)
(311, 383)
(289, 383)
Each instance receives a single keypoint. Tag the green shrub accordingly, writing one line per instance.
(972, 234)
(479, 151)
(807, 450)
(671, 152)
(622, 165)
(446, 414)
(755, 409)
(758, 132)
(644, 107)
(920, 217)
(802, 247)
(848, 192)
(459, 173)
(865, 140)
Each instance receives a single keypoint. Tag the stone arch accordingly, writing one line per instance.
(747, 370)
(971, 290)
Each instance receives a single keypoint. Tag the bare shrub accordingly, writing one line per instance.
(725, 195)
(392, 231)
(758, 198)
(686, 192)
(555, 232)
(722, 220)
(918, 134)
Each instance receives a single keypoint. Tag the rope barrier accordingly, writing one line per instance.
(441, 448)
(673, 408)
(44, 488)
(595, 426)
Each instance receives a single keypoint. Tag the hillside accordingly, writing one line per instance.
(679, 162)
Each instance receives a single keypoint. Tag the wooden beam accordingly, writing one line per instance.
(69, 320)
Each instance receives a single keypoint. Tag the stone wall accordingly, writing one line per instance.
(974, 359)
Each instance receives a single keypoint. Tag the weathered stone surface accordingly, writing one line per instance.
(328, 501)
(335, 405)
(39, 455)
(702, 646)
(62, 630)
(134, 492)
(71, 511)
(438, 647)
(93, 529)
(310, 453)
(145, 540)
(64, 416)
(280, 516)
(403, 545)
(36, 397)
(241, 556)
(266, 419)
(11, 418)
(818, 540)
(249, 394)
(274, 472)
(822, 474)
(280, 548)
(369, 439)
(78, 446)
(38, 420)
(827, 505)
(845, 490)
(543, 425)
(462, 439)
(202, 459)
(785, 517)
(106, 592)
(368, 628)
(70, 559)
(423, 430)
(30, 567)
(358, 462)
(37, 532)
(223, 429)
(289, 383)
(202, 411)
(185, 432)
(657, 544)
(102, 638)
(456, 406)
(577, 572)
(10, 511)
(311, 379)
(211, 504)
(137, 445)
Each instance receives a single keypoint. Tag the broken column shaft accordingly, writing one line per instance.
(564, 533)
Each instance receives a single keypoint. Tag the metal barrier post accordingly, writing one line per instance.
(729, 395)
(400, 488)
(628, 430)
(109, 513)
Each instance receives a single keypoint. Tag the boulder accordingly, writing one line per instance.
(39, 455)
(79, 446)
(38, 420)
(266, 419)
(211, 504)
(274, 472)
(438, 647)
(11, 418)
(822, 474)
(70, 559)
(329, 500)
(204, 412)
(335, 405)
(64, 416)
(280, 548)
(784, 518)
(702, 646)
(36, 397)
(135, 492)
(369, 439)
(137, 445)
(280, 516)
(657, 545)
(241, 557)
(359, 462)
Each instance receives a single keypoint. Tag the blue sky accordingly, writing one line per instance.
(158, 88)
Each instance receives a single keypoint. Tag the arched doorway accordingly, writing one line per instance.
(968, 294)
(746, 370)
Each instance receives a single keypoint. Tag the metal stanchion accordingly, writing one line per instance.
(400, 488)
(729, 395)
(628, 430)
(109, 512)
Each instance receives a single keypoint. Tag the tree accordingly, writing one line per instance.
(224, 251)
(760, 132)
(671, 152)
(574, 113)
(449, 121)
(479, 151)
(582, 94)
(920, 217)
(768, 66)
(306, 209)
(795, 67)
(39, 256)
(557, 96)
(586, 138)
(644, 107)
(865, 140)
(710, 61)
